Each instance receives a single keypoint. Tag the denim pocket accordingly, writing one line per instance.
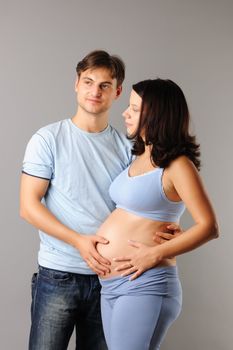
(33, 284)
(96, 285)
(34, 278)
(54, 275)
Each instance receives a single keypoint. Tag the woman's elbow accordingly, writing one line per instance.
(22, 213)
(216, 233)
(214, 230)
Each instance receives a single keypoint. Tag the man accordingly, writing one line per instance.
(67, 170)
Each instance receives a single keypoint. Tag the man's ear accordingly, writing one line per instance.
(118, 91)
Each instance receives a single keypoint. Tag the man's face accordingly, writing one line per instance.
(96, 90)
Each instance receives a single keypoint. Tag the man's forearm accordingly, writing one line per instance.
(40, 217)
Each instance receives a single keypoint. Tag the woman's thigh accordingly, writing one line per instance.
(136, 314)
(170, 310)
(133, 321)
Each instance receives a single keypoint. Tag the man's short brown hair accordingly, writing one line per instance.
(101, 59)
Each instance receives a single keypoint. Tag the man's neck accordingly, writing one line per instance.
(90, 123)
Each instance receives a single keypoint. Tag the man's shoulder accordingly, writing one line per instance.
(122, 143)
(120, 135)
(53, 129)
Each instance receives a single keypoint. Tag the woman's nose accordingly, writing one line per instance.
(126, 114)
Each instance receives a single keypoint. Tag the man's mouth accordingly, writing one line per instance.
(93, 100)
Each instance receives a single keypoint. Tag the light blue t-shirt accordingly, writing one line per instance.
(80, 166)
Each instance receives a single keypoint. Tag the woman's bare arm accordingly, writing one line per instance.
(188, 185)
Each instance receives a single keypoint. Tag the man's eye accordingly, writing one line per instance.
(105, 86)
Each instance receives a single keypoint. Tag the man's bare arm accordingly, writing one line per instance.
(32, 190)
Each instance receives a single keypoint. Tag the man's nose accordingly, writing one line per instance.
(96, 91)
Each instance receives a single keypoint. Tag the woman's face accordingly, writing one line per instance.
(132, 113)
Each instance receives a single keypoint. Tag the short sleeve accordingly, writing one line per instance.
(38, 159)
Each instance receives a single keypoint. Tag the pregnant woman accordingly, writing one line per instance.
(142, 295)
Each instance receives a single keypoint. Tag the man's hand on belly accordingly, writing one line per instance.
(87, 248)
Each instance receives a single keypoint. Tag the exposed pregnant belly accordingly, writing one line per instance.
(121, 226)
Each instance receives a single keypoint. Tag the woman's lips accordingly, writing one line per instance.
(128, 125)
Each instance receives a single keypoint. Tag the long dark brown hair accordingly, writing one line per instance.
(164, 121)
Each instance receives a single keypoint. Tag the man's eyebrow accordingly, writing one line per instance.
(87, 78)
(102, 82)
(106, 82)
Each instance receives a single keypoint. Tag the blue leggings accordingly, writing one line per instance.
(137, 314)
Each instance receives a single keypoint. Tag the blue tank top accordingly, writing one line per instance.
(143, 195)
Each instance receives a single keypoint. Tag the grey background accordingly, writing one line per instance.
(187, 41)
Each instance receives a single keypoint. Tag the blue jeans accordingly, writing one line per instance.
(62, 301)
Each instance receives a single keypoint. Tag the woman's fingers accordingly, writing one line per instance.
(134, 243)
(128, 265)
(175, 227)
(160, 237)
(122, 258)
(136, 275)
(129, 271)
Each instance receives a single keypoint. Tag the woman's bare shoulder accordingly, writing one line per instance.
(182, 165)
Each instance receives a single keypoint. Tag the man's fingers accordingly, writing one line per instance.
(95, 268)
(102, 267)
(99, 239)
(99, 257)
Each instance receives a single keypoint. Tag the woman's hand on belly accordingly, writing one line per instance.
(172, 231)
(144, 258)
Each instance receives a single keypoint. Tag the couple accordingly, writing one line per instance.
(98, 208)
